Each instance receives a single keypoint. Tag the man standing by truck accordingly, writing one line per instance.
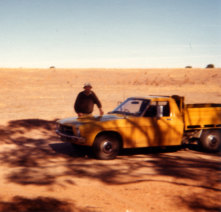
(84, 103)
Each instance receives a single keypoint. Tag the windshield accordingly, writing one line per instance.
(132, 106)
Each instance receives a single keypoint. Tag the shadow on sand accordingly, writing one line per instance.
(35, 150)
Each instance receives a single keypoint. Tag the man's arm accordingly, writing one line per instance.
(98, 103)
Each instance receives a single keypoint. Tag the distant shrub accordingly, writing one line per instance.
(210, 66)
(188, 67)
(52, 67)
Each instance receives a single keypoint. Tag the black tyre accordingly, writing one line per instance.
(210, 140)
(106, 146)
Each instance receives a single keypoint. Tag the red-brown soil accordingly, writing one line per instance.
(38, 172)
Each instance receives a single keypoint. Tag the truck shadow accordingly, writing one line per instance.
(31, 152)
(149, 150)
(73, 151)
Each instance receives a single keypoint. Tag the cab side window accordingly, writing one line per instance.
(161, 107)
(152, 110)
(166, 108)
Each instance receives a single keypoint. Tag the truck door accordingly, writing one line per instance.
(164, 124)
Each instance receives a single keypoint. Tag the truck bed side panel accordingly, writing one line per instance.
(202, 116)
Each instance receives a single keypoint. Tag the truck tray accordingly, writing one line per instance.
(202, 116)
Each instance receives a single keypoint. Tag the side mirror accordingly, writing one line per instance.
(159, 111)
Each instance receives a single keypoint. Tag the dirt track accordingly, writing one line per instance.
(40, 173)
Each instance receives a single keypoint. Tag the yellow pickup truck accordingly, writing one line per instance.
(145, 122)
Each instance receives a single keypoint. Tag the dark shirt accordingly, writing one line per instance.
(85, 103)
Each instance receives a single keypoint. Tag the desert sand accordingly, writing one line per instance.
(38, 172)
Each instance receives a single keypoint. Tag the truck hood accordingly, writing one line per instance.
(80, 121)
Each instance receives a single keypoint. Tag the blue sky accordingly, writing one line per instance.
(110, 33)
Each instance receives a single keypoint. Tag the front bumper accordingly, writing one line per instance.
(71, 138)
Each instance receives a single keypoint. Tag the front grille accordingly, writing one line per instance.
(67, 130)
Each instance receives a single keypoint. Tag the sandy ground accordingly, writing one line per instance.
(40, 173)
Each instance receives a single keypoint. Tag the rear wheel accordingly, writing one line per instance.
(106, 146)
(210, 140)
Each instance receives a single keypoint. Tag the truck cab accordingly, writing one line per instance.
(154, 121)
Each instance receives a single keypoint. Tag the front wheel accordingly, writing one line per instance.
(210, 140)
(106, 147)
